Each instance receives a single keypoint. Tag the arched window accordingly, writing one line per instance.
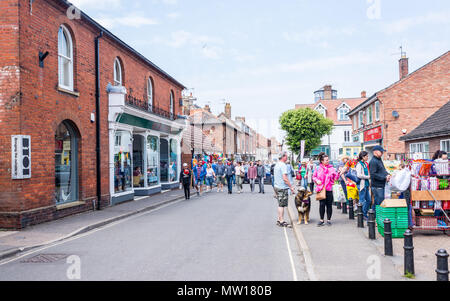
(65, 59)
(150, 93)
(172, 104)
(117, 73)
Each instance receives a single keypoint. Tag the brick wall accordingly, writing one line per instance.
(30, 103)
(415, 99)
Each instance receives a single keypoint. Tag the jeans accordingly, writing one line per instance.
(209, 181)
(230, 183)
(234, 179)
(272, 180)
(365, 200)
(378, 196)
(344, 187)
(261, 184)
(407, 196)
(252, 184)
(239, 181)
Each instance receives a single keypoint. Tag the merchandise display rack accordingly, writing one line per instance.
(430, 206)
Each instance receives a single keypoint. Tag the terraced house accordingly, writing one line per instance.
(85, 120)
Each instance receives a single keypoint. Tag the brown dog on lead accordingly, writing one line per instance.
(303, 205)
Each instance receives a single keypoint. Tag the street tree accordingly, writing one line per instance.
(304, 124)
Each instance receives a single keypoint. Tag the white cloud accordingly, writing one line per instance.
(174, 15)
(129, 20)
(318, 36)
(405, 24)
(96, 4)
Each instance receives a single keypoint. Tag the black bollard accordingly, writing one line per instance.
(442, 265)
(351, 213)
(360, 216)
(388, 238)
(344, 208)
(409, 252)
(371, 224)
(338, 205)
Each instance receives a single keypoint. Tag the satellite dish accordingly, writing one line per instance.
(395, 114)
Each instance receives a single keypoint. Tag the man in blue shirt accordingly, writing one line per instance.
(281, 187)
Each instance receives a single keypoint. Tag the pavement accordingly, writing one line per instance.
(344, 252)
(13, 243)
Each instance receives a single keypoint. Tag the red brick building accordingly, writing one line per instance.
(398, 109)
(49, 119)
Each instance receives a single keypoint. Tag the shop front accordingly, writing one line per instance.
(145, 148)
(372, 138)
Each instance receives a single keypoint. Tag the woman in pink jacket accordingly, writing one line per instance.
(324, 176)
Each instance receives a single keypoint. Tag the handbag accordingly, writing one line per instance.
(321, 195)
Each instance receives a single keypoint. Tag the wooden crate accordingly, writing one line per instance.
(440, 195)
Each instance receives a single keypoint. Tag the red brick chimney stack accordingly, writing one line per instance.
(363, 94)
(404, 66)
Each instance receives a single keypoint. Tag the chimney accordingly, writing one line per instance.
(241, 119)
(207, 108)
(403, 66)
(227, 110)
(363, 94)
(327, 92)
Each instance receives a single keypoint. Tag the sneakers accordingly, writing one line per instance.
(320, 224)
(328, 223)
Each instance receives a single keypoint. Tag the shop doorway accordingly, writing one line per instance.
(164, 160)
(66, 163)
(138, 161)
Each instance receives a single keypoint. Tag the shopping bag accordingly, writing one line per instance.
(401, 180)
(352, 193)
(387, 191)
(338, 194)
(321, 195)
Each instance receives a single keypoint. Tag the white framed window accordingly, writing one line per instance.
(445, 145)
(342, 113)
(369, 113)
(117, 72)
(150, 93)
(172, 106)
(360, 119)
(422, 148)
(65, 59)
(377, 111)
(321, 109)
(347, 136)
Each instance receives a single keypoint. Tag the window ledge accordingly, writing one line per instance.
(73, 93)
(70, 205)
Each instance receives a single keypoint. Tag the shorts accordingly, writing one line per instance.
(282, 197)
(221, 180)
(199, 181)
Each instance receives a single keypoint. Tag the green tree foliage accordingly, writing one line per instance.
(305, 124)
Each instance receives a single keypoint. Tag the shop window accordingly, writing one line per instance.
(164, 160)
(122, 162)
(66, 164)
(152, 161)
(138, 161)
(65, 59)
(173, 173)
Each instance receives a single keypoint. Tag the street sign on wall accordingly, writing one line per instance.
(20, 157)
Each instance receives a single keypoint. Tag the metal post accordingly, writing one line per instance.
(344, 208)
(442, 265)
(351, 213)
(388, 251)
(371, 224)
(360, 216)
(409, 252)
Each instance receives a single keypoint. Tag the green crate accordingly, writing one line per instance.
(396, 233)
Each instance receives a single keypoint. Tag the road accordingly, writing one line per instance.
(216, 236)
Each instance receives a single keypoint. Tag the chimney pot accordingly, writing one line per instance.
(404, 67)
(363, 94)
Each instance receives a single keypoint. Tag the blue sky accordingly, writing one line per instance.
(265, 56)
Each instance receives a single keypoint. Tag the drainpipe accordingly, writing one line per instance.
(97, 118)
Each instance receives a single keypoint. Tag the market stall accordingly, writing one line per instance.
(430, 194)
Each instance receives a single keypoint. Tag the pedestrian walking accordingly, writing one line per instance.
(378, 176)
(282, 185)
(324, 178)
(252, 175)
(229, 173)
(261, 173)
(362, 172)
(309, 174)
(240, 175)
(185, 181)
(234, 175)
(199, 176)
(210, 177)
(220, 176)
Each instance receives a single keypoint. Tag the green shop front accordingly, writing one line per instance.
(145, 150)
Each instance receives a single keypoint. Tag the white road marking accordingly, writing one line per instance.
(294, 273)
(87, 233)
